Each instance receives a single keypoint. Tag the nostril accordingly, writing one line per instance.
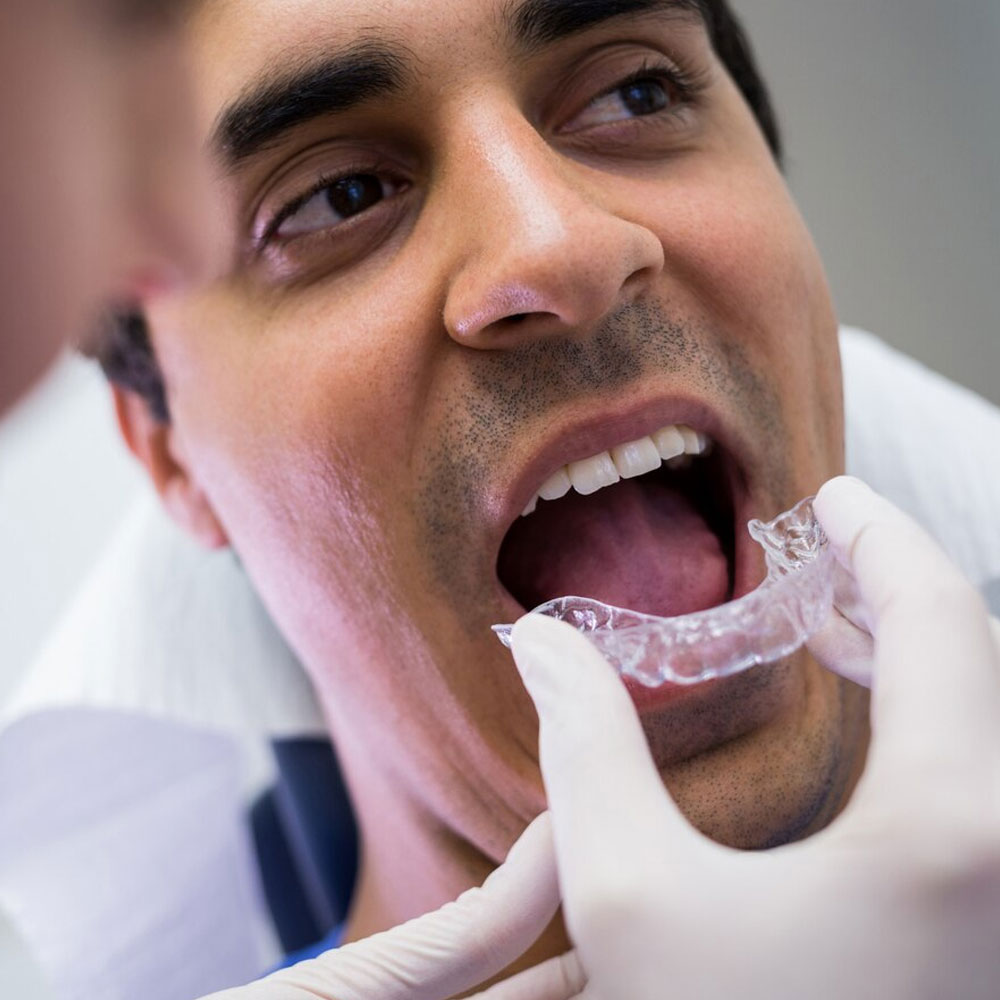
(521, 322)
(638, 279)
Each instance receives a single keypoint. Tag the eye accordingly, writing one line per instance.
(644, 94)
(644, 97)
(331, 203)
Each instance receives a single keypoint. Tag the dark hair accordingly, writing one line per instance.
(122, 345)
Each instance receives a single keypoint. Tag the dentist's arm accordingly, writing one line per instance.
(899, 899)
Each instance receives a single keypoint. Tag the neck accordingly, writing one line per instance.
(408, 866)
(412, 864)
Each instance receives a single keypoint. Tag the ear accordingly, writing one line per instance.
(154, 443)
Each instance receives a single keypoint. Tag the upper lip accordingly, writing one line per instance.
(601, 431)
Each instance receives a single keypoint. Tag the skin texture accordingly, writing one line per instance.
(102, 184)
(353, 411)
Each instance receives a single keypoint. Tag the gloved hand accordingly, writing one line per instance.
(446, 952)
(899, 899)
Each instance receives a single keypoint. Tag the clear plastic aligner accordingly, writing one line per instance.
(772, 621)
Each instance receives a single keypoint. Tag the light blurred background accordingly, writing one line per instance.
(891, 114)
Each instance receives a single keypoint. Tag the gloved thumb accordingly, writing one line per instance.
(602, 784)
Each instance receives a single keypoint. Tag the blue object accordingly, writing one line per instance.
(307, 847)
(332, 940)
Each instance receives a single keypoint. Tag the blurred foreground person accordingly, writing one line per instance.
(101, 187)
(103, 195)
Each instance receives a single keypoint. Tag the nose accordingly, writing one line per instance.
(542, 253)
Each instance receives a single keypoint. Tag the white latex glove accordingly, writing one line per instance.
(446, 952)
(899, 899)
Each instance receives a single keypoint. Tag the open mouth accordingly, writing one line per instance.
(649, 525)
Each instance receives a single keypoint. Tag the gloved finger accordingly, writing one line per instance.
(560, 978)
(844, 644)
(435, 956)
(610, 810)
(839, 645)
(936, 687)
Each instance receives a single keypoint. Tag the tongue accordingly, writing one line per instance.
(639, 544)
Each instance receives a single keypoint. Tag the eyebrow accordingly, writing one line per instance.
(533, 24)
(335, 83)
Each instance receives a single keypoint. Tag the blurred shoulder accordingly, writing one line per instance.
(930, 445)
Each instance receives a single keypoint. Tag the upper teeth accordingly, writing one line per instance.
(634, 458)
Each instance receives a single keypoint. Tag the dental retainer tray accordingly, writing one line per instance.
(765, 625)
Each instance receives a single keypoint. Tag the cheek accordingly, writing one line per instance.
(736, 239)
(738, 253)
(296, 423)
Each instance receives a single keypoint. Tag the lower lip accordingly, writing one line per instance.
(647, 700)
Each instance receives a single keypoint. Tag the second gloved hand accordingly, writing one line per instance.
(898, 899)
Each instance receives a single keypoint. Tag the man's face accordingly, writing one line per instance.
(475, 243)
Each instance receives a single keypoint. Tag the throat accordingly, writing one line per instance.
(643, 544)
